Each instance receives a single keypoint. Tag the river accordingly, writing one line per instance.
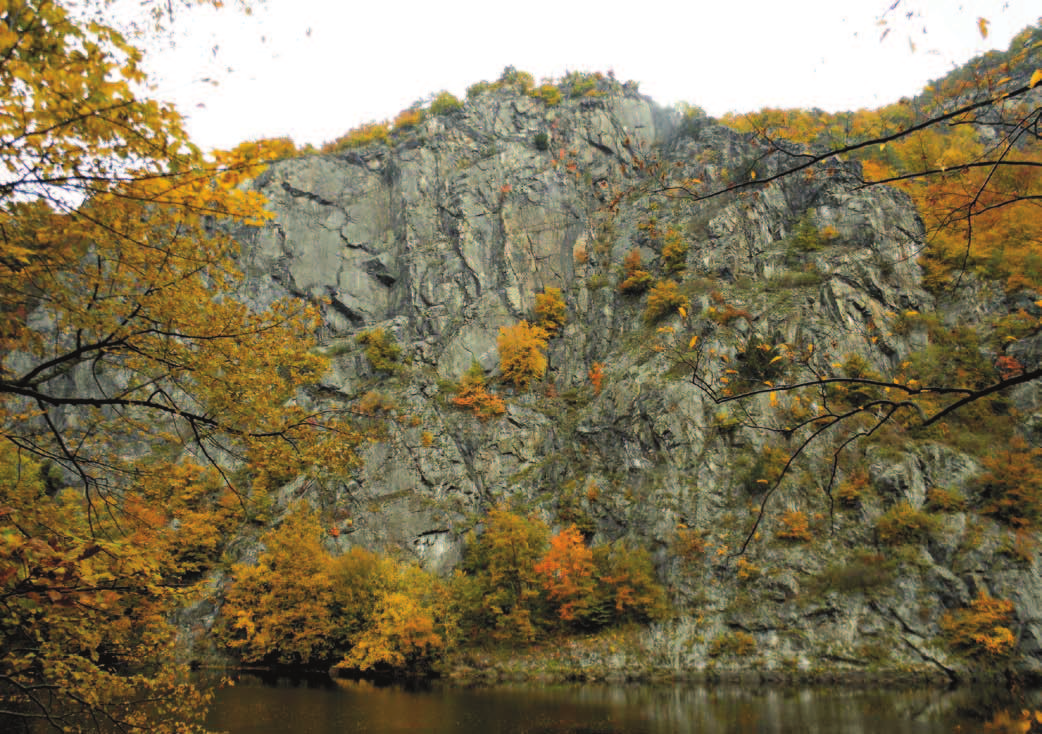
(320, 706)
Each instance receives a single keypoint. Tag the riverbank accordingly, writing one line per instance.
(618, 657)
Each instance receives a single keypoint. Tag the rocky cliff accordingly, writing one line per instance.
(448, 234)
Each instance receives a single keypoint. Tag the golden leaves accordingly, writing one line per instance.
(521, 356)
(1036, 78)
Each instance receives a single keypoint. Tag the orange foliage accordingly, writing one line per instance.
(794, 526)
(596, 375)
(1011, 485)
(853, 487)
(472, 394)
(981, 630)
(635, 279)
(567, 574)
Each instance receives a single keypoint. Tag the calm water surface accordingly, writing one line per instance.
(321, 706)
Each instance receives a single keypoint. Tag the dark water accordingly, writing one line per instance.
(321, 706)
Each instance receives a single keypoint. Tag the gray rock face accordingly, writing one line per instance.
(448, 236)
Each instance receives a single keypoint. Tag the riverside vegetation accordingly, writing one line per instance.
(547, 369)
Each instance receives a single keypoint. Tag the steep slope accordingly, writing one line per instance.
(449, 234)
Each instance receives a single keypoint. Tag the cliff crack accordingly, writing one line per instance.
(309, 195)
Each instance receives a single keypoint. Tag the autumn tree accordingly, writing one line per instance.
(521, 353)
(471, 393)
(300, 605)
(550, 310)
(502, 559)
(281, 609)
(567, 574)
(126, 360)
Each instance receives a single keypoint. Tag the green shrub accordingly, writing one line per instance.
(902, 524)
(444, 103)
(806, 237)
(381, 350)
(541, 141)
(761, 361)
(580, 84)
(864, 571)
(737, 643)
(477, 89)
(520, 81)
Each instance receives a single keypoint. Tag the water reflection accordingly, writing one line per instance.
(321, 706)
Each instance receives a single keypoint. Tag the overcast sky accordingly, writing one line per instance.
(312, 69)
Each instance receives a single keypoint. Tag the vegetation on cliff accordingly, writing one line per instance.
(723, 409)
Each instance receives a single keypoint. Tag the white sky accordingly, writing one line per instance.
(312, 69)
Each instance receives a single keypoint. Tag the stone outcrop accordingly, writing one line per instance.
(448, 235)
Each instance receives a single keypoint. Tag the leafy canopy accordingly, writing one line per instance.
(138, 395)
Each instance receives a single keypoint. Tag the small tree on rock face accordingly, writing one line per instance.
(636, 279)
(664, 297)
(550, 310)
(473, 394)
(521, 355)
(981, 630)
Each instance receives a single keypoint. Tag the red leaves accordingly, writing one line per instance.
(1008, 366)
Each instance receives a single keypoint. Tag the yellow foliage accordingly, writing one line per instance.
(521, 356)
(737, 643)
(794, 526)
(359, 137)
(550, 310)
(404, 635)
(85, 609)
(407, 119)
(635, 279)
(674, 250)
(664, 298)
(982, 629)
(903, 524)
(115, 233)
